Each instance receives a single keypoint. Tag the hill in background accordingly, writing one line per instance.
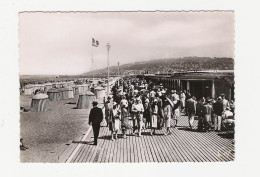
(170, 65)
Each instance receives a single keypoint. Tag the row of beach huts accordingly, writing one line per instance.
(86, 92)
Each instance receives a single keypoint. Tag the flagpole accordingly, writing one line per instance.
(92, 64)
(118, 75)
(108, 86)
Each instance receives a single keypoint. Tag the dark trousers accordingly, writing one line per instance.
(201, 123)
(96, 132)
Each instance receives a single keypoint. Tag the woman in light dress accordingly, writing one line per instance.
(182, 99)
(114, 124)
(176, 110)
(154, 116)
(167, 111)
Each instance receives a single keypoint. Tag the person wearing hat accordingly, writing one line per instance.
(151, 95)
(114, 123)
(124, 102)
(108, 106)
(160, 111)
(95, 119)
(124, 121)
(167, 114)
(137, 110)
(154, 116)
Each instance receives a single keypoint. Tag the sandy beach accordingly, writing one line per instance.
(46, 132)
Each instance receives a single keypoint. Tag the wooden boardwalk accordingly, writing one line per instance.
(182, 145)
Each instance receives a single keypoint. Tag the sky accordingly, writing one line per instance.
(59, 43)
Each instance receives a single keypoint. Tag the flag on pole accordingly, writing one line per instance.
(95, 43)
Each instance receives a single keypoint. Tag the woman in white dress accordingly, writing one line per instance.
(154, 116)
(167, 111)
(176, 109)
(182, 99)
(115, 121)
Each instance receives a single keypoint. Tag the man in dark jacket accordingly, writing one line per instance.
(218, 110)
(199, 109)
(95, 118)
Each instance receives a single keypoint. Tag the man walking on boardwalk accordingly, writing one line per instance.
(95, 118)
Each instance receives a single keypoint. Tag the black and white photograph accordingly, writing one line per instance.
(127, 87)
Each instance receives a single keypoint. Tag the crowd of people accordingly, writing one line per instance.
(153, 107)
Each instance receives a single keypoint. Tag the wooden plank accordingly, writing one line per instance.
(182, 151)
(211, 146)
(158, 145)
(189, 147)
(146, 146)
(154, 157)
(108, 151)
(104, 145)
(188, 136)
(199, 140)
(194, 148)
(86, 153)
(205, 146)
(170, 149)
(99, 148)
(132, 145)
(137, 150)
(112, 148)
(154, 145)
(141, 149)
(85, 149)
(90, 148)
(176, 150)
(117, 151)
(131, 152)
(196, 145)
(134, 149)
(223, 143)
(166, 149)
(125, 150)
(101, 144)
(77, 155)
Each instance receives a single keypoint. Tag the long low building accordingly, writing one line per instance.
(199, 83)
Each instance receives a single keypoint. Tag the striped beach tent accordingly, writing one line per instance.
(40, 103)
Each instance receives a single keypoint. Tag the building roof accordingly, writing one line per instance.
(196, 75)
